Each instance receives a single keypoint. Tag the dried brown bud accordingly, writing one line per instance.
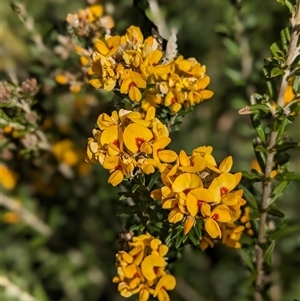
(29, 86)
(5, 91)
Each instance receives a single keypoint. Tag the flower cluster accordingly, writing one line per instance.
(141, 69)
(195, 187)
(126, 142)
(141, 270)
(90, 21)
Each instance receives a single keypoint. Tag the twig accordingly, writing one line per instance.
(187, 292)
(14, 290)
(242, 39)
(293, 52)
(158, 19)
(26, 215)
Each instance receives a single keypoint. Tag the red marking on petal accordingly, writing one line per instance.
(186, 191)
(223, 190)
(139, 141)
(132, 84)
(216, 216)
(199, 203)
(116, 143)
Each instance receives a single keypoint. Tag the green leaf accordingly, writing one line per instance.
(249, 196)
(285, 146)
(281, 128)
(278, 190)
(275, 212)
(153, 180)
(276, 50)
(254, 214)
(246, 240)
(276, 71)
(260, 148)
(268, 254)
(246, 259)
(135, 187)
(193, 238)
(284, 231)
(129, 210)
(260, 107)
(252, 175)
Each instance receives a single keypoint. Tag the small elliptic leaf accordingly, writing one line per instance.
(278, 190)
(268, 254)
(249, 196)
(246, 259)
(276, 71)
(275, 212)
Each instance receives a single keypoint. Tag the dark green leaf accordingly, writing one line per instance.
(285, 231)
(285, 146)
(249, 196)
(153, 180)
(246, 259)
(252, 175)
(268, 254)
(278, 190)
(275, 212)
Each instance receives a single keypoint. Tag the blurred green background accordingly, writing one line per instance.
(76, 261)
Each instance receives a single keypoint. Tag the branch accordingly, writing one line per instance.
(292, 53)
(14, 290)
(26, 215)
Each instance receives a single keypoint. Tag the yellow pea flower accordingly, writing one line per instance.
(135, 135)
(198, 200)
(131, 84)
(221, 214)
(167, 282)
(109, 47)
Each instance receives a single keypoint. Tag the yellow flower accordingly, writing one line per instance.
(223, 184)
(131, 84)
(109, 47)
(94, 12)
(134, 35)
(221, 214)
(135, 136)
(142, 269)
(167, 282)
(65, 152)
(289, 94)
(198, 200)
(8, 178)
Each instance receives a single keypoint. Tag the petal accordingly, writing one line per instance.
(110, 135)
(167, 282)
(186, 181)
(167, 156)
(221, 214)
(175, 216)
(188, 224)
(134, 135)
(196, 197)
(226, 164)
(184, 159)
(149, 264)
(130, 271)
(212, 228)
(144, 294)
(116, 178)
